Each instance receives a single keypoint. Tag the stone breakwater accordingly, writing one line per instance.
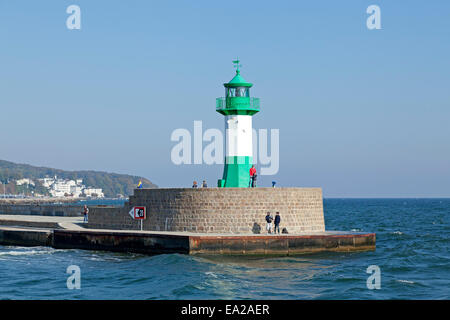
(214, 221)
(216, 210)
(69, 233)
(35, 201)
(41, 210)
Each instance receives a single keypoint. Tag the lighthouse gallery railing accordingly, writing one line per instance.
(237, 103)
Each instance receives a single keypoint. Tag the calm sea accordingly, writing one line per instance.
(412, 254)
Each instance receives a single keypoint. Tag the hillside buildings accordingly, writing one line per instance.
(21, 182)
(65, 187)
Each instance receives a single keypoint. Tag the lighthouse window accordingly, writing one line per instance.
(238, 92)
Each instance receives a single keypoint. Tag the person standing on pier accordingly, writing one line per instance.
(85, 213)
(277, 223)
(253, 176)
(204, 185)
(269, 220)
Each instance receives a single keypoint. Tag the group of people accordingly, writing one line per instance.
(195, 185)
(252, 182)
(276, 222)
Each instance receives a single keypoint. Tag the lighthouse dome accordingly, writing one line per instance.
(238, 81)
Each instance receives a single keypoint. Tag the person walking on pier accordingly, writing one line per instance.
(253, 176)
(269, 220)
(85, 213)
(277, 223)
(194, 185)
(204, 185)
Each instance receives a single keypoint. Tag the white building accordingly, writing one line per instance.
(62, 188)
(74, 188)
(23, 181)
(93, 192)
(56, 193)
(47, 182)
(76, 191)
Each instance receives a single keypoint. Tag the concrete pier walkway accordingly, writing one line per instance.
(70, 233)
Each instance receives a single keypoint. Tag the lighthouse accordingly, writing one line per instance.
(238, 108)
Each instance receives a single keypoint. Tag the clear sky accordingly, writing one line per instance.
(361, 113)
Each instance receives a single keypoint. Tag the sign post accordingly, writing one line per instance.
(138, 213)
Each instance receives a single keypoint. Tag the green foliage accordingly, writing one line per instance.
(111, 183)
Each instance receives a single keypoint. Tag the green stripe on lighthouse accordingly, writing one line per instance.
(237, 171)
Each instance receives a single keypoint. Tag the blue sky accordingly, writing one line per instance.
(361, 113)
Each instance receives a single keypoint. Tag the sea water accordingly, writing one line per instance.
(412, 253)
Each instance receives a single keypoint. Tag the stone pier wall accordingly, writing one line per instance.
(42, 210)
(217, 210)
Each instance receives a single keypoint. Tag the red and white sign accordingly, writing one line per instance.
(138, 213)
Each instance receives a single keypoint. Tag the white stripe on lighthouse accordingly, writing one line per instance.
(238, 135)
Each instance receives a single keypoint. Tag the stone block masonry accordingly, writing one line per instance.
(41, 209)
(217, 210)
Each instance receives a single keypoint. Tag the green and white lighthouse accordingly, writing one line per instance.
(238, 107)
